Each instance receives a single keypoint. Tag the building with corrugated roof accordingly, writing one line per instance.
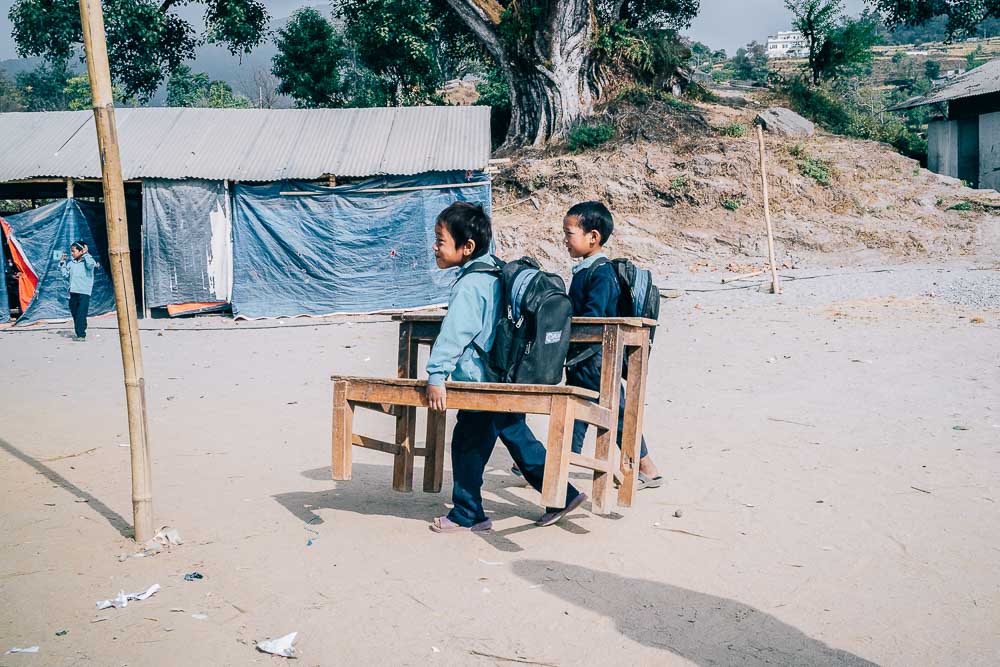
(964, 141)
(273, 212)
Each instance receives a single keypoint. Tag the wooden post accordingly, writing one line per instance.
(775, 287)
(69, 188)
(95, 47)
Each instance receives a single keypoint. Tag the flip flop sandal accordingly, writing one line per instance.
(647, 482)
(550, 518)
(443, 524)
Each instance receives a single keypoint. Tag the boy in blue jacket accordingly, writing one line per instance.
(462, 238)
(594, 293)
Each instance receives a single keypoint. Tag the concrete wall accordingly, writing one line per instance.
(942, 147)
(989, 150)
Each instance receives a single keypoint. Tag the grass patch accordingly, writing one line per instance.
(676, 103)
(679, 182)
(736, 130)
(962, 206)
(589, 136)
(816, 169)
(731, 204)
(797, 150)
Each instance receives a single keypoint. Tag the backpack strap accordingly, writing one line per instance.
(598, 263)
(479, 267)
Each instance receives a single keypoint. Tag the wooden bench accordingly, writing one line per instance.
(563, 405)
(624, 340)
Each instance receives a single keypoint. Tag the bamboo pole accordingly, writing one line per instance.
(775, 287)
(95, 46)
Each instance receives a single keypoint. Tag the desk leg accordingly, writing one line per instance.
(406, 417)
(558, 446)
(434, 458)
(635, 402)
(343, 432)
(611, 377)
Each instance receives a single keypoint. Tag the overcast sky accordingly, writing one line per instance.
(722, 24)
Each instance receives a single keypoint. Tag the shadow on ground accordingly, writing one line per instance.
(701, 628)
(114, 518)
(369, 492)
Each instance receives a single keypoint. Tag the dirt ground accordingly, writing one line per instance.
(834, 454)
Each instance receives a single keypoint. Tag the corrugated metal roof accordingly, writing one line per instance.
(250, 144)
(983, 80)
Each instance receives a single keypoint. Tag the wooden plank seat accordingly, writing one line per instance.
(398, 396)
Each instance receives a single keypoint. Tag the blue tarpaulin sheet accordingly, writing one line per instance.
(340, 249)
(187, 250)
(42, 235)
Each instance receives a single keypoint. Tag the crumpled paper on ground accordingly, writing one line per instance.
(30, 649)
(281, 646)
(165, 537)
(123, 598)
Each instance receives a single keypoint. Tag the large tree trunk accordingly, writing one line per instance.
(547, 73)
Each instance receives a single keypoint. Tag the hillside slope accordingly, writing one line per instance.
(683, 193)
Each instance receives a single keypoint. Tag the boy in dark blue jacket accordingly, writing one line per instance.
(594, 293)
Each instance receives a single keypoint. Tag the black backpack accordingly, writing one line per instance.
(639, 297)
(532, 337)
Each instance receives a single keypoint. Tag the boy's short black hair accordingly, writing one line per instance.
(78, 245)
(468, 222)
(593, 215)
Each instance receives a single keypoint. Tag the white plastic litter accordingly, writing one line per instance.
(490, 562)
(123, 598)
(199, 617)
(30, 649)
(281, 646)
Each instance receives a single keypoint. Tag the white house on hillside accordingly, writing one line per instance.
(789, 44)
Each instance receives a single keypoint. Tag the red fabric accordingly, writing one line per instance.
(27, 282)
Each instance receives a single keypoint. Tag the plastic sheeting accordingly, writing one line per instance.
(187, 247)
(342, 250)
(42, 235)
(4, 302)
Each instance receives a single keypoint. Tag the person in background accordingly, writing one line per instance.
(80, 271)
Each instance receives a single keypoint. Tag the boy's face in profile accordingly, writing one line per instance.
(76, 252)
(446, 253)
(578, 242)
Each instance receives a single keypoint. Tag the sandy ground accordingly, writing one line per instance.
(834, 453)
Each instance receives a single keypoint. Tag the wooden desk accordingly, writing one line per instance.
(624, 340)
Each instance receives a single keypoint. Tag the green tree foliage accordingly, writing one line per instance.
(815, 19)
(750, 64)
(44, 88)
(308, 61)
(847, 50)
(398, 42)
(932, 70)
(195, 89)
(147, 40)
(963, 16)
(10, 96)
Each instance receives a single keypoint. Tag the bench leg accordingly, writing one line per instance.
(557, 450)
(343, 432)
(406, 419)
(434, 458)
(611, 377)
(635, 402)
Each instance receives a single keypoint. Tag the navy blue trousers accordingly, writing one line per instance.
(580, 428)
(472, 443)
